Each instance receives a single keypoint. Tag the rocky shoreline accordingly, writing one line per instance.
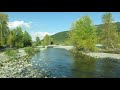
(11, 67)
(94, 54)
(102, 55)
(65, 47)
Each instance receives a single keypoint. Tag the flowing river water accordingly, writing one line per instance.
(62, 63)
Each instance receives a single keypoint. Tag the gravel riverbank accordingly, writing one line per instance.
(65, 47)
(103, 55)
(94, 54)
(18, 67)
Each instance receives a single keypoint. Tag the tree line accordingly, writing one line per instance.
(17, 37)
(13, 37)
(83, 34)
(47, 40)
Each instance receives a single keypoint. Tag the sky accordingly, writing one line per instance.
(42, 23)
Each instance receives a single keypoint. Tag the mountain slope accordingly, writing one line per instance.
(62, 37)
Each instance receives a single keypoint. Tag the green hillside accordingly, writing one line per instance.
(62, 37)
(117, 24)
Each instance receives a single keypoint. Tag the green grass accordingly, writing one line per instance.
(10, 52)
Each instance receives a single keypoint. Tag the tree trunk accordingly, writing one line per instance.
(113, 46)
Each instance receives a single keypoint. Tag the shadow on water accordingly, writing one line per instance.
(61, 63)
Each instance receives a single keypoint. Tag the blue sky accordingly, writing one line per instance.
(52, 22)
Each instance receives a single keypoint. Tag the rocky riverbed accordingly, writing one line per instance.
(65, 47)
(103, 55)
(12, 67)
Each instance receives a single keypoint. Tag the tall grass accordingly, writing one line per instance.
(10, 52)
(31, 50)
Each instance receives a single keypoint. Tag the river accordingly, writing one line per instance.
(61, 63)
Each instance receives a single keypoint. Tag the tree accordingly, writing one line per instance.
(109, 35)
(27, 39)
(14, 31)
(38, 41)
(51, 40)
(19, 42)
(47, 40)
(83, 34)
(10, 40)
(3, 28)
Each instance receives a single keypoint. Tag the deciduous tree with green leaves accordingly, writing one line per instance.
(19, 38)
(3, 28)
(83, 34)
(10, 40)
(109, 32)
(27, 39)
(47, 40)
(38, 42)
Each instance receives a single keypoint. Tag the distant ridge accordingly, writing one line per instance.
(62, 37)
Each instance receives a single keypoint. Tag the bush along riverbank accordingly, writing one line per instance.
(15, 64)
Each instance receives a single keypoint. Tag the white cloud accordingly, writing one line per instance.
(39, 34)
(22, 24)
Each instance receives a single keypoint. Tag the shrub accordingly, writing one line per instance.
(33, 45)
(74, 51)
(29, 50)
(37, 50)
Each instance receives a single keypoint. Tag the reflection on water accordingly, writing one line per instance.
(84, 66)
(107, 68)
(61, 63)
